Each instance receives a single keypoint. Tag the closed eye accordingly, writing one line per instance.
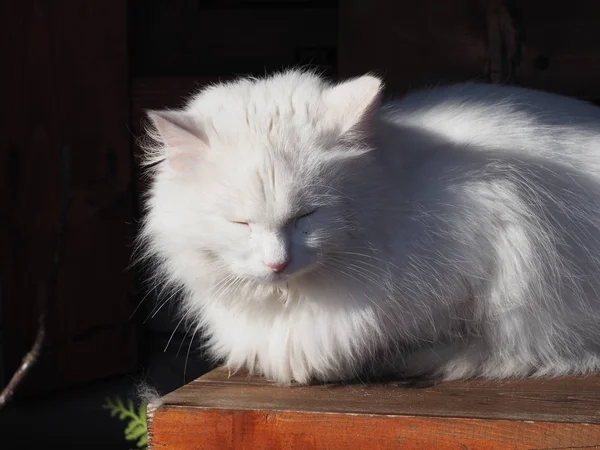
(237, 222)
(310, 213)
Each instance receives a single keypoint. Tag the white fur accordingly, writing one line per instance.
(456, 230)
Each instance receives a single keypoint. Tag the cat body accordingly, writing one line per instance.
(319, 235)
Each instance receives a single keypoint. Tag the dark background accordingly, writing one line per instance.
(76, 77)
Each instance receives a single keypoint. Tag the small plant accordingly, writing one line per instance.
(137, 428)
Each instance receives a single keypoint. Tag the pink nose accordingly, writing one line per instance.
(278, 266)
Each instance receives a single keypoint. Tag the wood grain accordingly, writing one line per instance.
(560, 400)
(178, 428)
(215, 412)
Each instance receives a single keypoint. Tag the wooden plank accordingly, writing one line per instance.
(562, 400)
(240, 412)
(179, 429)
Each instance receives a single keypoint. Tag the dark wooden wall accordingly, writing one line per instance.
(553, 46)
(224, 37)
(80, 73)
(65, 105)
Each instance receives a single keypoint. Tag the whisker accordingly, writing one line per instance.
(188, 354)
(157, 309)
(178, 324)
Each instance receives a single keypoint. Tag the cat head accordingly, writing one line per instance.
(250, 176)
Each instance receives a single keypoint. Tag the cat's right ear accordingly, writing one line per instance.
(353, 102)
(183, 141)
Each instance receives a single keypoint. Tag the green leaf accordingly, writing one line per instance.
(143, 442)
(136, 433)
(132, 425)
(137, 429)
(142, 412)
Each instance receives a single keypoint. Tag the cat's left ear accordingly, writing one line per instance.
(354, 102)
(183, 139)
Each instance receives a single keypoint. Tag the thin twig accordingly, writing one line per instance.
(47, 295)
(28, 362)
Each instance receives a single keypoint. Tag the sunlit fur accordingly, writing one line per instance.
(456, 230)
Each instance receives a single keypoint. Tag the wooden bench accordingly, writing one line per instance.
(217, 412)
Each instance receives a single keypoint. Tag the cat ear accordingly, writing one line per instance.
(183, 140)
(353, 102)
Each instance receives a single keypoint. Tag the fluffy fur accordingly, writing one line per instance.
(454, 232)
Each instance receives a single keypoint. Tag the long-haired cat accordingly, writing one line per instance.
(318, 234)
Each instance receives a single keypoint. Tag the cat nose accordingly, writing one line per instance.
(277, 266)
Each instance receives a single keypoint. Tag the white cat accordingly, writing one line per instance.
(318, 235)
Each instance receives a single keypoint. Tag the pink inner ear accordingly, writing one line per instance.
(183, 160)
(183, 143)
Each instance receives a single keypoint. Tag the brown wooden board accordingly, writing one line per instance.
(215, 412)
